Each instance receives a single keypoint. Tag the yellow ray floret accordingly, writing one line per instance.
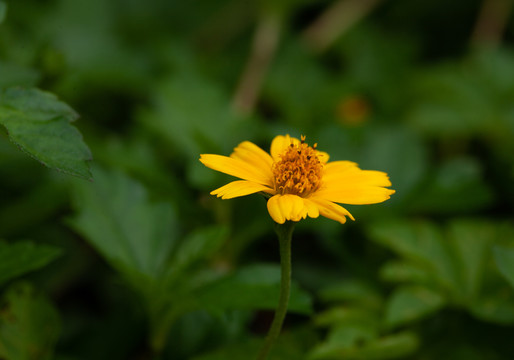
(299, 179)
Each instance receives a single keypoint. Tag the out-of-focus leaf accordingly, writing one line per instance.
(188, 127)
(422, 243)
(115, 215)
(470, 241)
(196, 246)
(292, 344)
(252, 287)
(3, 11)
(23, 256)
(504, 257)
(238, 351)
(410, 304)
(36, 206)
(466, 98)
(347, 316)
(344, 336)
(15, 75)
(40, 125)
(294, 95)
(387, 347)
(449, 104)
(456, 187)
(395, 150)
(29, 326)
(497, 307)
(192, 116)
(403, 271)
(373, 60)
(354, 291)
(94, 49)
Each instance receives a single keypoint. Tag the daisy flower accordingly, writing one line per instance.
(298, 179)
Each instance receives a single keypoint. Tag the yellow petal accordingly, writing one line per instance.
(237, 168)
(312, 208)
(330, 210)
(280, 144)
(289, 207)
(355, 194)
(336, 168)
(253, 155)
(239, 188)
(339, 176)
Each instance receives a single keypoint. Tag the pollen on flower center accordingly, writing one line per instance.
(298, 171)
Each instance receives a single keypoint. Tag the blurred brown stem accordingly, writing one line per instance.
(491, 22)
(264, 44)
(335, 21)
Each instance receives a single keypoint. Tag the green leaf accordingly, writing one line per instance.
(447, 189)
(470, 97)
(387, 347)
(16, 75)
(470, 241)
(421, 243)
(252, 287)
(3, 11)
(347, 316)
(404, 271)
(496, 305)
(352, 290)
(410, 304)
(198, 245)
(186, 126)
(23, 256)
(395, 150)
(29, 326)
(504, 258)
(195, 124)
(40, 125)
(115, 215)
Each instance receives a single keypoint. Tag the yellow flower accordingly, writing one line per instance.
(299, 179)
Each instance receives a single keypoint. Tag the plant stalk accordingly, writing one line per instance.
(285, 234)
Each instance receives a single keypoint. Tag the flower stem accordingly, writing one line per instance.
(285, 233)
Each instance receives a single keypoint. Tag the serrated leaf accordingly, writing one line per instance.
(115, 215)
(252, 287)
(40, 125)
(29, 326)
(23, 256)
(504, 258)
(410, 304)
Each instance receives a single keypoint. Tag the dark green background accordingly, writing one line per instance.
(134, 258)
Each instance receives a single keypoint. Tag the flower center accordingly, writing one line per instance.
(298, 171)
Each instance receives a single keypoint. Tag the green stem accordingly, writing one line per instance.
(285, 233)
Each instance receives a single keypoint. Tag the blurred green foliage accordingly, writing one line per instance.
(129, 257)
